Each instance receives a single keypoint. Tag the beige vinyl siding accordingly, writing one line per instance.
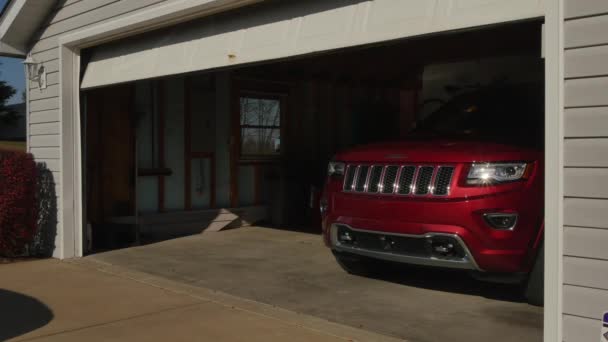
(586, 212)
(586, 122)
(581, 8)
(586, 175)
(581, 329)
(85, 13)
(44, 115)
(591, 152)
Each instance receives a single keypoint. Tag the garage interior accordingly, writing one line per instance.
(236, 146)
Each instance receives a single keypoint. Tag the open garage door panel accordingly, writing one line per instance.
(280, 29)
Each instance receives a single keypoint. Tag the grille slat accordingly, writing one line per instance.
(443, 180)
(350, 177)
(406, 179)
(390, 176)
(362, 178)
(423, 180)
(374, 178)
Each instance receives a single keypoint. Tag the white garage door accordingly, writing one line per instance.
(289, 28)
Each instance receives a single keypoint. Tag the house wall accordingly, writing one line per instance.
(68, 17)
(585, 291)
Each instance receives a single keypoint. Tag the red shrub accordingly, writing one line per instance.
(17, 201)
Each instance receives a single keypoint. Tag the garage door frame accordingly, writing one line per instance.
(180, 11)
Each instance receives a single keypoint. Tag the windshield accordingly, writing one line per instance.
(503, 114)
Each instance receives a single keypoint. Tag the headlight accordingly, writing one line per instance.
(336, 169)
(489, 173)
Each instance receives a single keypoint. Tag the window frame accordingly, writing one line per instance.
(263, 95)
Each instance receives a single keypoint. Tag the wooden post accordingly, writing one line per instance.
(187, 143)
(160, 98)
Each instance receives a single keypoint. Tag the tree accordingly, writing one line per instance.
(7, 115)
(23, 97)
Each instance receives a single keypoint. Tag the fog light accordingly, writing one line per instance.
(502, 221)
(444, 247)
(346, 237)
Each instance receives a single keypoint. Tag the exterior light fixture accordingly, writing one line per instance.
(35, 71)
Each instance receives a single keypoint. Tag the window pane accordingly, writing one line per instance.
(260, 141)
(260, 112)
(260, 121)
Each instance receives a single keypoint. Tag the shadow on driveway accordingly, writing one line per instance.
(447, 280)
(437, 279)
(20, 314)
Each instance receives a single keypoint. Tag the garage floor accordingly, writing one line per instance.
(295, 271)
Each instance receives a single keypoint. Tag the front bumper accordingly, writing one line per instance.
(488, 249)
(418, 253)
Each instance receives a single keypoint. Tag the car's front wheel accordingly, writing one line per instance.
(535, 287)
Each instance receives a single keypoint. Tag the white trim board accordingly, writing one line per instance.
(553, 40)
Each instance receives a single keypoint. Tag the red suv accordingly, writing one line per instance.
(464, 191)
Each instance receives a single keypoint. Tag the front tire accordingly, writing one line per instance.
(535, 286)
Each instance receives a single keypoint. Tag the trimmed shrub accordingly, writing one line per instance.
(17, 202)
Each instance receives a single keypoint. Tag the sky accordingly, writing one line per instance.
(11, 70)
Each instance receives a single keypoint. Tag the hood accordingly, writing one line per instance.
(438, 151)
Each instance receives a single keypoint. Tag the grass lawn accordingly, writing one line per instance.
(12, 145)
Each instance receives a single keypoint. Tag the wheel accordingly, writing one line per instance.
(535, 286)
(358, 265)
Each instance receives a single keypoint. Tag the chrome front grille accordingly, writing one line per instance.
(415, 180)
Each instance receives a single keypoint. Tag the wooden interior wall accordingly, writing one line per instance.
(328, 116)
(110, 153)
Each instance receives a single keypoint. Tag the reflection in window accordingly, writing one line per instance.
(260, 126)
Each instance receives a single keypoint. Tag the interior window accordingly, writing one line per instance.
(260, 120)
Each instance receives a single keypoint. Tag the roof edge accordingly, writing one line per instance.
(9, 14)
(6, 5)
(19, 21)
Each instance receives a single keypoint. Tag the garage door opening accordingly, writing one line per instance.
(334, 102)
(431, 122)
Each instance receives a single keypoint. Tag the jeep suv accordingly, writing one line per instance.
(463, 191)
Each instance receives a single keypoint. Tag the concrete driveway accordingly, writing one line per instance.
(82, 300)
(294, 271)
